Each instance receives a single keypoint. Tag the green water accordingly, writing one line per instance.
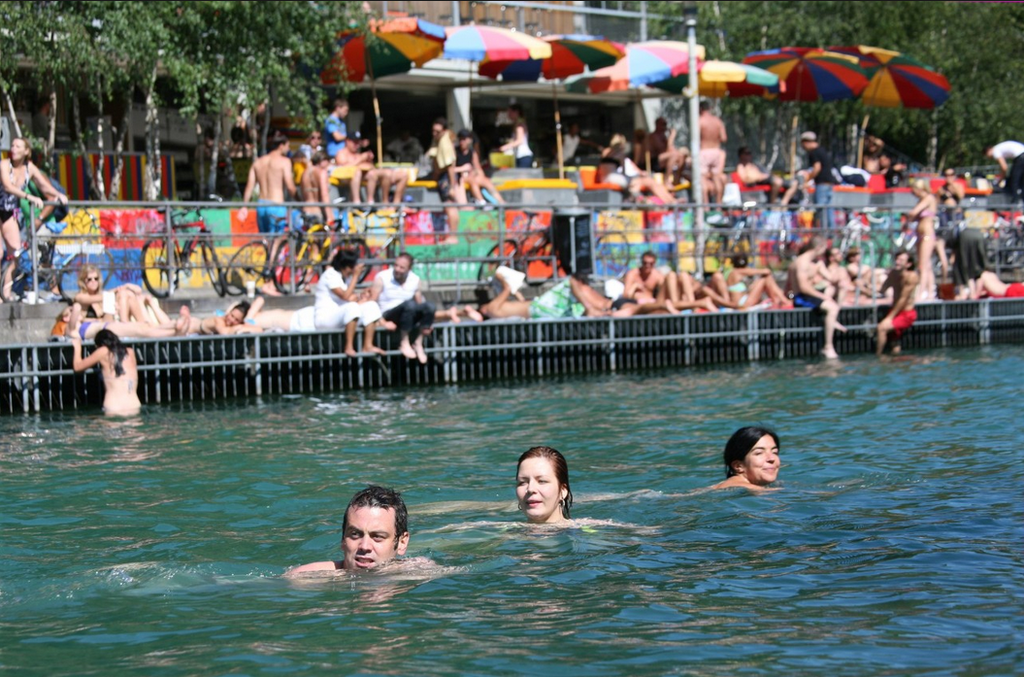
(154, 547)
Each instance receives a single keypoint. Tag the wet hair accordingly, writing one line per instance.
(740, 444)
(375, 496)
(319, 157)
(345, 258)
(560, 467)
(109, 340)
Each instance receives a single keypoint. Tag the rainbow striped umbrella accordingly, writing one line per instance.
(897, 79)
(645, 63)
(717, 79)
(570, 55)
(392, 46)
(812, 74)
(477, 43)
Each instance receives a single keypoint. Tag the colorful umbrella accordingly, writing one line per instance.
(897, 79)
(812, 74)
(392, 46)
(716, 79)
(477, 43)
(570, 55)
(645, 63)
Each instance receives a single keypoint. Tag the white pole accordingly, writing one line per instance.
(696, 194)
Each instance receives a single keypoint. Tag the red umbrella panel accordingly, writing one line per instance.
(897, 80)
(812, 74)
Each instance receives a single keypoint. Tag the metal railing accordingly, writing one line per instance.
(513, 234)
(38, 377)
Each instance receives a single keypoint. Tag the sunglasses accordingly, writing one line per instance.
(92, 279)
(950, 174)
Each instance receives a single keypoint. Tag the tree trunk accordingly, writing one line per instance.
(265, 127)
(95, 186)
(101, 161)
(15, 127)
(152, 179)
(933, 141)
(211, 179)
(118, 159)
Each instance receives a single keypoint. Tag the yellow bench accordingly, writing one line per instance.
(518, 184)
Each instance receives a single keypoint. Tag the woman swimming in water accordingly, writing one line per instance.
(542, 486)
(751, 459)
(120, 372)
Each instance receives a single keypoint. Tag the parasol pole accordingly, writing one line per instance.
(558, 133)
(792, 143)
(647, 147)
(376, 111)
(860, 145)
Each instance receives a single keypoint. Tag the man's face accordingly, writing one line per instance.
(401, 269)
(746, 158)
(647, 265)
(436, 131)
(901, 260)
(341, 111)
(370, 540)
(314, 139)
(352, 145)
(660, 125)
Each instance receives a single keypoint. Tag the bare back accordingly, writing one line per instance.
(120, 392)
(712, 132)
(274, 176)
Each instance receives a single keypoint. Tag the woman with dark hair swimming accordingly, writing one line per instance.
(542, 486)
(120, 372)
(751, 459)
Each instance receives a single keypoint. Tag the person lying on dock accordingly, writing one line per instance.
(71, 318)
(647, 284)
(222, 323)
(572, 297)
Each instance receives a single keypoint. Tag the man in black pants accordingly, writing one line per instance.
(397, 291)
(1014, 152)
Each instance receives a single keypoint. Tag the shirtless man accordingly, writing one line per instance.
(751, 175)
(315, 186)
(665, 157)
(903, 282)
(712, 157)
(273, 174)
(374, 532)
(801, 281)
(647, 284)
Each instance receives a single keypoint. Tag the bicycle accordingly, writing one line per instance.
(872, 234)
(732, 237)
(530, 252)
(64, 249)
(612, 254)
(1009, 241)
(162, 269)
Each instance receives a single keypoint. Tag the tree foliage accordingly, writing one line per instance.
(977, 46)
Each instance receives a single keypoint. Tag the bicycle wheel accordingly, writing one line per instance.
(213, 268)
(282, 269)
(507, 250)
(611, 255)
(247, 265)
(67, 278)
(158, 267)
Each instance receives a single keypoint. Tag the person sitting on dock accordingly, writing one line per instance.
(801, 282)
(647, 284)
(397, 291)
(339, 305)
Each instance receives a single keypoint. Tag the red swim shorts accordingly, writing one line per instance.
(903, 321)
(1015, 291)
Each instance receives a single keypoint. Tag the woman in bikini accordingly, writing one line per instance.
(747, 287)
(924, 213)
(83, 329)
(119, 368)
(15, 175)
(126, 303)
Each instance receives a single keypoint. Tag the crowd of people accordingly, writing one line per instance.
(375, 524)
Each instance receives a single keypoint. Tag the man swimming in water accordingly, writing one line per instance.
(374, 532)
